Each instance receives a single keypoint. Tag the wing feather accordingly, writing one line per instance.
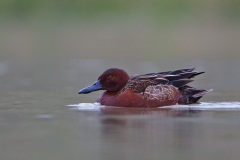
(178, 78)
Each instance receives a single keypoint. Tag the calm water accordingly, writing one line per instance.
(43, 117)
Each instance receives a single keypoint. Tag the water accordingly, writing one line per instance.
(92, 131)
(214, 106)
(43, 117)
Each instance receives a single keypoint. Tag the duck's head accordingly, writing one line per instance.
(112, 80)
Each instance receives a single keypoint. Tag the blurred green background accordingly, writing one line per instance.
(136, 29)
(50, 49)
(57, 44)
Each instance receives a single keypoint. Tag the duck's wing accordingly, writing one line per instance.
(178, 78)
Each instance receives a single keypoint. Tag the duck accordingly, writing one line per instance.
(149, 90)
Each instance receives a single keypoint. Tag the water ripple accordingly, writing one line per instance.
(235, 105)
(86, 106)
(210, 106)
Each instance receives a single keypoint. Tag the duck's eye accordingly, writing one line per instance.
(110, 76)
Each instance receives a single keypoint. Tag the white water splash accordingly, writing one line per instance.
(202, 106)
(86, 106)
(209, 106)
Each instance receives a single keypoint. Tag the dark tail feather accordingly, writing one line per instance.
(201, 93)
(182, 71)
(186, 75)
(177, 71)
(181, 82)
(196, 74)
(191, 95)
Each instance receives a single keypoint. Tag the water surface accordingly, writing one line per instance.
(47, 130)
(43, 117)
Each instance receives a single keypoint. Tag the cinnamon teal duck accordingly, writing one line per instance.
(146, 90)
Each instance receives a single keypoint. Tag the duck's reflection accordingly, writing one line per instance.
(147, 132)
(149, 111)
